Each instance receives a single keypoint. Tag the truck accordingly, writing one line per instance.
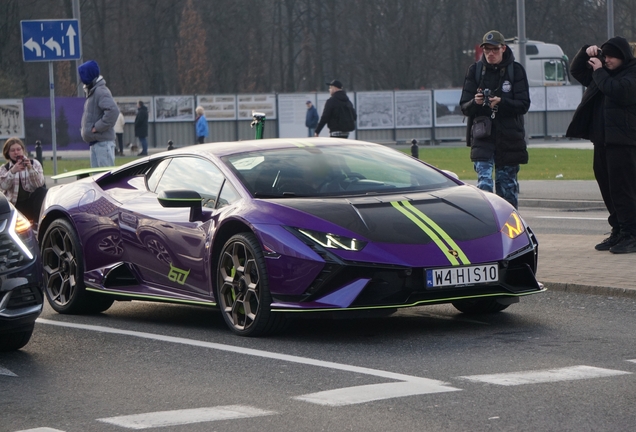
(546, 63)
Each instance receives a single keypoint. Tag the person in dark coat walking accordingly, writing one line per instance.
(338, 114)
(311, 119)
(607, 117)
(141, 127)
(503, 147)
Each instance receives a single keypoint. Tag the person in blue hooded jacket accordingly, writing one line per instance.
(99, 117)
(201, 124)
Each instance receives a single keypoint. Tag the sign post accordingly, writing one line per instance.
(51, 40)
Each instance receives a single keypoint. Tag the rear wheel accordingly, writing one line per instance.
(15, 341)
(243, 288)
(479, 306)
(63, 260)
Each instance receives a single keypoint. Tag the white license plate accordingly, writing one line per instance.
(452, 276)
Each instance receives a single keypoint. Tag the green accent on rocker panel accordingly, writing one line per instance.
(417, 303)
(151, 297)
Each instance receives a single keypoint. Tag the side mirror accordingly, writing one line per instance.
(181, 198)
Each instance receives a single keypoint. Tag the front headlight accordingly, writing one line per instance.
(332, 241)
(19, 227)
(513, 227)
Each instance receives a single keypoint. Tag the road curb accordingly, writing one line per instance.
(589, 289)
(562, 204)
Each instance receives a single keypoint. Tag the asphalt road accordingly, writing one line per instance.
(430, 362)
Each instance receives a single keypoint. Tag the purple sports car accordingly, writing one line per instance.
(268, 228)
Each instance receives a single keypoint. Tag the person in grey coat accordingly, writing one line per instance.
(99, 117)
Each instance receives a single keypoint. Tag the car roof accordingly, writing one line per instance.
(221, 149)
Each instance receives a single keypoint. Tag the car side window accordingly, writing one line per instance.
(195, 174)
(155, 175)
(228, 195)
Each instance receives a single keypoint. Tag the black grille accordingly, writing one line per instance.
(24, 297)
(11, 256)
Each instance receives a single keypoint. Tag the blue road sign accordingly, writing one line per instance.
(50, 40)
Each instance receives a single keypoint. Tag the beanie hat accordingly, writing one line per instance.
(612, 51)
(88, 71)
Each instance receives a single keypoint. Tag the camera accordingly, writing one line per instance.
(486, 93)
(599, 55)
(19, 158)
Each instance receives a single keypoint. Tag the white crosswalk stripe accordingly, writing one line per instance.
(41, 429)
(373, 392)
(7, 372)
(544, 376)
(185, 416)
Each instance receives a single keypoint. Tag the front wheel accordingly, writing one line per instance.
(479, 306)
(243, 288)
(16, 340)
(63, 260)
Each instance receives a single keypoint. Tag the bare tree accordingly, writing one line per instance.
(192, 65)
(235, 46)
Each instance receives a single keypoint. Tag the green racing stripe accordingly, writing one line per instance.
(434, 231)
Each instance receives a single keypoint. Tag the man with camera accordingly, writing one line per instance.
(607, 117)
(494, 98)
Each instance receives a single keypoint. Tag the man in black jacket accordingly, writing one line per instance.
(141, 127)
(504, 146)
(338, 114)
(607, 117)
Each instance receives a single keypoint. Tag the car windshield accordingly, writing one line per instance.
(311, 171)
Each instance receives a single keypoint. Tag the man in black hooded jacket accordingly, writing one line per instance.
(504, 148)
(607, 117)
(338, 113)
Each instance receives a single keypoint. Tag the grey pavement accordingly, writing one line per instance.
(566, 262)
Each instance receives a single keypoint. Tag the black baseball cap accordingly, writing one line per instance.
(335, 83)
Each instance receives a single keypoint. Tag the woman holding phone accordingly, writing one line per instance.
(22, 179)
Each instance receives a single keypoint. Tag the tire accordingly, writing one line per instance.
(479, 306)
(15, 341)
(62, 257)
(243, 288)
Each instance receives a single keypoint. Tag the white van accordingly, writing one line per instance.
(546, 64)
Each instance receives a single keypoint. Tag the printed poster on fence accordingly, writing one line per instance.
(413, 109)
(11, 118)
(174, 108)
(263, 103)
(128, 107)
(447, 109)
(218, 107)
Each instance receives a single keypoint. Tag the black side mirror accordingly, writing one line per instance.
(182, 198)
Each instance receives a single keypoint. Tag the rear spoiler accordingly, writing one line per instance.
(81, 173)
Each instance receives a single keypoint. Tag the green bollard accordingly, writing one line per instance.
(259, 123)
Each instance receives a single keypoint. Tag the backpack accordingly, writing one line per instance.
(346, 115)
(480, 71)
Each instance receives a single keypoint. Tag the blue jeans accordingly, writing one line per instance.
(144, 145)
(103, 154)
(311, 131)
(506, 183)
